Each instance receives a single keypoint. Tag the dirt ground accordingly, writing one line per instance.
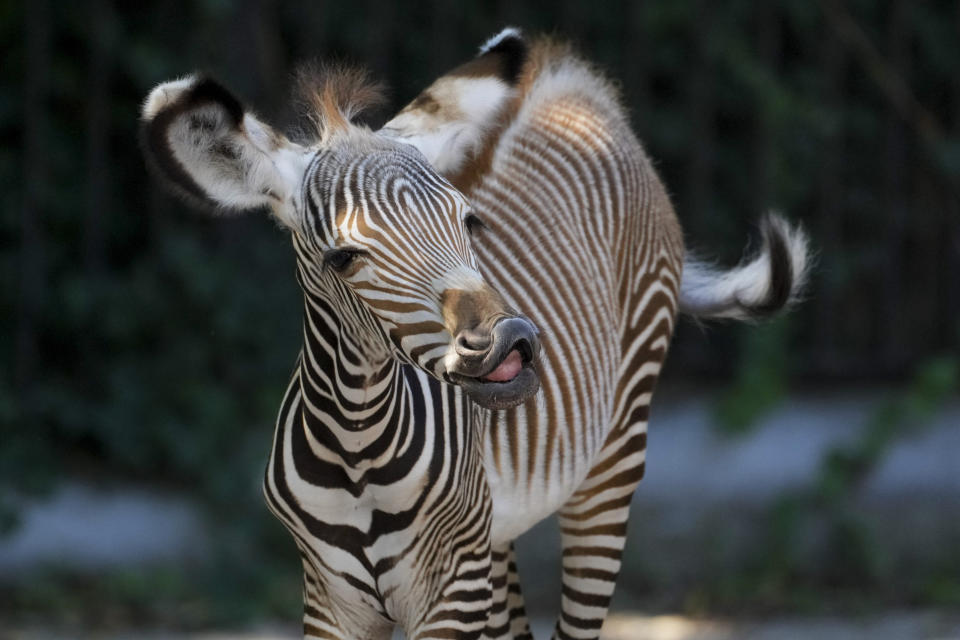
(898, 625)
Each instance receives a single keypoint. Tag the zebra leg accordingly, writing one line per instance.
(508, 617)
(319, 622)
(593, 526)
(519, 625)
(463, 607)
(326, 619)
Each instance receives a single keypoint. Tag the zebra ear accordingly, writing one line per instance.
(199, 139)
(449, 120)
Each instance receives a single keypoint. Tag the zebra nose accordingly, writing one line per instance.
(479, 351)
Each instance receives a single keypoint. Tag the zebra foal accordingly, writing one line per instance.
(504, 234)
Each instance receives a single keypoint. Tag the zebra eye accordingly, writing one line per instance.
(340, 259)
(473, 223)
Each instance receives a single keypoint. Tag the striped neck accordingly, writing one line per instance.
(353, 400)
(369, 422)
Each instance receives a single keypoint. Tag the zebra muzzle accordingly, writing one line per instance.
(496, 369)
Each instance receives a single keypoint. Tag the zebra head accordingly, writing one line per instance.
(382, 240)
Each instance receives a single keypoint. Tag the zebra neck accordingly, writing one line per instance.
(363, 411)
(353, 401)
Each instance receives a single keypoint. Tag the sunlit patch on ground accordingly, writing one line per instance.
(925, 625)
(635, 627)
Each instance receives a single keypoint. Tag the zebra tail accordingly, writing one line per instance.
(758, 287)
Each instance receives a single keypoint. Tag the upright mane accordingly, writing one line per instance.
(333, 95)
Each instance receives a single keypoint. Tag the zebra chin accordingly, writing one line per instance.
(501, 395)
(497, 369)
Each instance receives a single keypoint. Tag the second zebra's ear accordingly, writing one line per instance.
(449, 120)
(202, 142)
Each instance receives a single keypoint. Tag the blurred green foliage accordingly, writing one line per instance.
(144, 343)
(760, 382)
(817, 550)
(193, 597)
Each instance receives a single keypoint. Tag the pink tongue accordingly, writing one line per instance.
(507, 370)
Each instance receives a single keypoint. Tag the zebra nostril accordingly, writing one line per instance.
(472, 343)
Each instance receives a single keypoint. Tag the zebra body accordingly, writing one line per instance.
(504, 233)
(571, 193)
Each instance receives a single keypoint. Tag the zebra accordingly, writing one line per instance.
(490, 285)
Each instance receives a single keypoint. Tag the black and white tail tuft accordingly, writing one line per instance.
(757, 288)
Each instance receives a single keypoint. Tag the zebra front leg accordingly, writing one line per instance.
(593, 527)
(519, 625)
(326, 618)
(508, 616)
(319, 622)
(463, 608)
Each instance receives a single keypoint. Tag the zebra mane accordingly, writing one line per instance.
(332, 95)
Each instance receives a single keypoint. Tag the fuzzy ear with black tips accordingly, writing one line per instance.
(449, 120)
(201, 141)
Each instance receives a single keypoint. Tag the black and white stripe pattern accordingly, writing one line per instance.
(376, 467)
(581, 236)
(408, 452)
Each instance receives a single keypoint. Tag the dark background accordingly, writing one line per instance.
(143, 343)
